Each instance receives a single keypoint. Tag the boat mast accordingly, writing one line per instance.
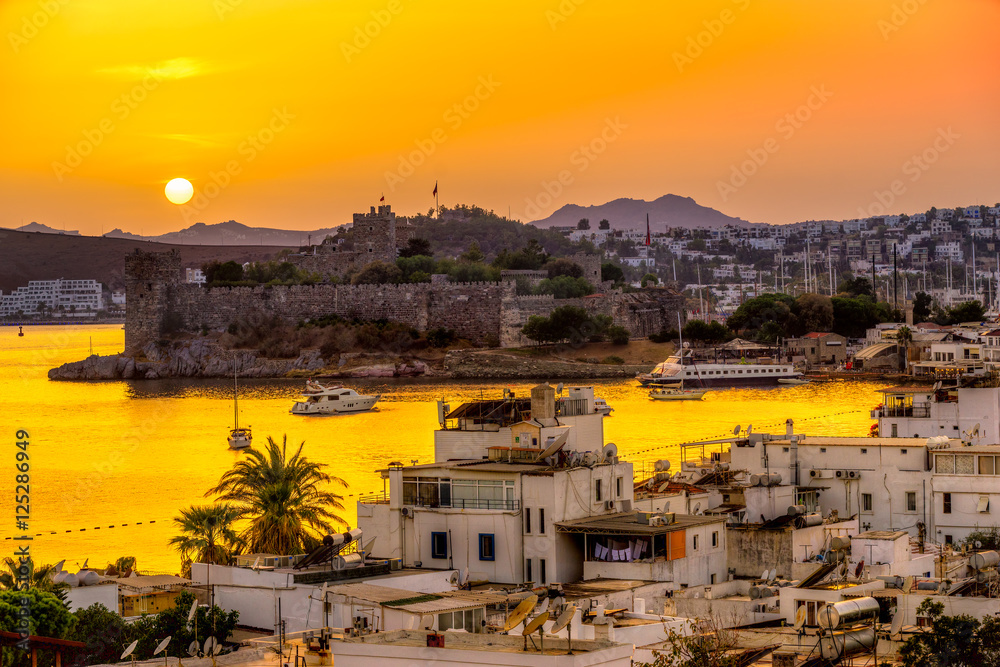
(236, 410)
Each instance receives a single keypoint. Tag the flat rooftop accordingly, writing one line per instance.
(627, 523)
(464, 641)
(827, 441)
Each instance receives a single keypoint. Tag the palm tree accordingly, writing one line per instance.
(207, 534)
(39, 577)
(280, 495)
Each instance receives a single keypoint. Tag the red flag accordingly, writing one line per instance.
(435, 193)
(383, 198)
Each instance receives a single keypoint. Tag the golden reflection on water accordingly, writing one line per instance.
(105, 454)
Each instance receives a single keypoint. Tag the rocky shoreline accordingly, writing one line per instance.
(202, 358)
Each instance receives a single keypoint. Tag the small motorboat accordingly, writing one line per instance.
(318, 399)
(601, 407)
(794, 381)
(677, 393)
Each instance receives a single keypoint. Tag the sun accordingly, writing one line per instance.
(179, 191)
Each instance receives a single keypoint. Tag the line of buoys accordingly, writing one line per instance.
(83, 530)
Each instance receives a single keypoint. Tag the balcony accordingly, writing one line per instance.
(462, 504)
(374, 499)
(916, 411)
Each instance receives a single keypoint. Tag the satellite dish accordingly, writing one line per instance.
(763, 575)
(162, 646)
(465, 577)
(859, 569)
(773, 574)
(544, 606)
(520, 613)
(979, 545)
(749, 429)
(609, 450)
(663, 487)
(193, 648)
(210, 646)
(194, 608)
(555, 445)
(842, 570)
(937, 386)
(85, 564)
(256, 564)
(896, 626)
(58, 567)
(454, 578)
(427, 620)
(908, 584)
(563, 620)
(322, 591)
(697, 508)
(559, 388)
(736, 431)
(536, 623)
(128, 651)
(800, 618)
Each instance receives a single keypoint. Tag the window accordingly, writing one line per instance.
(911, 501)
(784, 449)
(541, 520)
(903, 451)
(715, 538)
(618, 487)
(527, 520)
(864, 451)
(822, 450)
(470, 620)
(527, 569)
(866, 502)
(895, 431)
(439, 545)
(597, 491)
(541, 571)
(946, 503)
(695, 545)
(987, 465)
(486, 550)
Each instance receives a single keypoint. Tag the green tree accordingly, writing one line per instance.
(283, 498)
(604, 224)
(564, 287)
(952, 640)
(39, 577)
(922, 307)
(417, 247)
(583, 225)
(967, 311)
(814, 313)
(612, 272)
(711, 649)
(563, 267)
(228, 272)
(618, 335)
(207, 534)
(377, 273)
(856, 287)
(49, 617)
(765, 317)
(649, 279)
(904, 337)
(473, 254)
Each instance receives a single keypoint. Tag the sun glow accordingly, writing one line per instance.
(179, 191)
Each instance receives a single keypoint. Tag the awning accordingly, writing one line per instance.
(874, 351)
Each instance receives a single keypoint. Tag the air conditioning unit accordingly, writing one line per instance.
(406, 511)
(820, 474)
(656, 521)
(848, 474)
(840, 474)
(609, 504)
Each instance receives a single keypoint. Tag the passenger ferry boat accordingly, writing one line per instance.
(714, 374)
(318, 399)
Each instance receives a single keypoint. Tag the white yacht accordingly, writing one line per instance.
(318, 399)
(601, 407)
(708, 374)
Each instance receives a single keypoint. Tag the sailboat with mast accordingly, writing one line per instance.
(239, 438)
(677, 392)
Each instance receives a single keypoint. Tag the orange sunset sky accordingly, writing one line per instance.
(301, 118)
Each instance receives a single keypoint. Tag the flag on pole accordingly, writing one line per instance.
(647, 230)
(435, 193)
(383, 198)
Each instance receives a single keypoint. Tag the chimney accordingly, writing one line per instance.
(543, 404)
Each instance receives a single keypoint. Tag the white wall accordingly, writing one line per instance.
(82, 597)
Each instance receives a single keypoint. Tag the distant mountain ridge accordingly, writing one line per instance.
(45, 229)
(624, 213)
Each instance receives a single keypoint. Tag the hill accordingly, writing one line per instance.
(231, 233)
(28, 256)
(668, 210)
(45, 229)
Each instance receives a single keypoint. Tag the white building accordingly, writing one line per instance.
(76, 296)
(196, 276)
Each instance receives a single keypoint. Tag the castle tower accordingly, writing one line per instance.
(151, 279)
(375, 236)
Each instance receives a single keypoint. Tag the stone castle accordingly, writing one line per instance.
(158, 300)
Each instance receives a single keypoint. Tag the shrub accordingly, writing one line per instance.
(619, 335)
(441, 337)
(613, 359)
